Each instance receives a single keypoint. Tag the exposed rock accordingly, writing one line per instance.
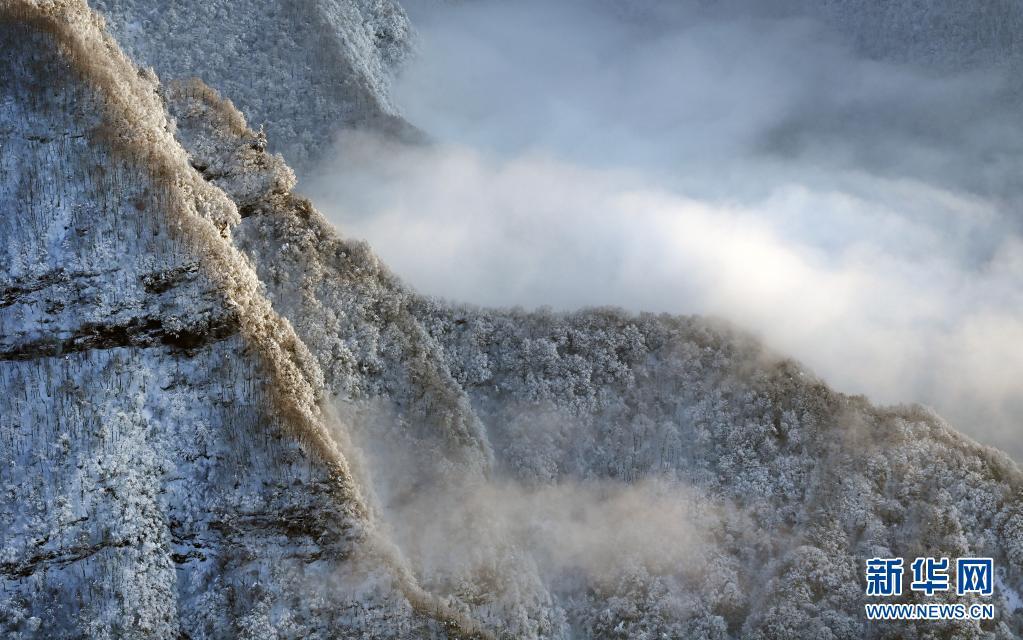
(168, 471)
(338, 55)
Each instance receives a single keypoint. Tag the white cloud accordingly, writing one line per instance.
(857, 215)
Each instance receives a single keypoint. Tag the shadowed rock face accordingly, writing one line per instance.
(338, 55)
(172, 318)
(156, 482)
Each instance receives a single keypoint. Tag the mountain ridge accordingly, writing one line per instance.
(137, 441)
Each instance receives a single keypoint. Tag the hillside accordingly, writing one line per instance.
(224, 419)
(169, 467)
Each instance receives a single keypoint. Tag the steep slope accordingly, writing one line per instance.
(337, 55)
(168, 472)
(346, 306)
(823, 480)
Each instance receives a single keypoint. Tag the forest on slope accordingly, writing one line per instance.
(487, 472)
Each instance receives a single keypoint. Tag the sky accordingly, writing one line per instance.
(862, 216)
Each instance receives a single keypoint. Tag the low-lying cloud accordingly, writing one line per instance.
(861, 216)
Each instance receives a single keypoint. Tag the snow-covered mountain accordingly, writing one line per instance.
(168, 466)
(220, 418)
(337, 56)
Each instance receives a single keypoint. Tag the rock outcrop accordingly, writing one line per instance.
(169, 471)
(337, 55)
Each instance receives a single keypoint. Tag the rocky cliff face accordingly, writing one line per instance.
(338, 55)
(222, 419)
(168, 469)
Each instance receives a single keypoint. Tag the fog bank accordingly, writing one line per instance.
(862, 216)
